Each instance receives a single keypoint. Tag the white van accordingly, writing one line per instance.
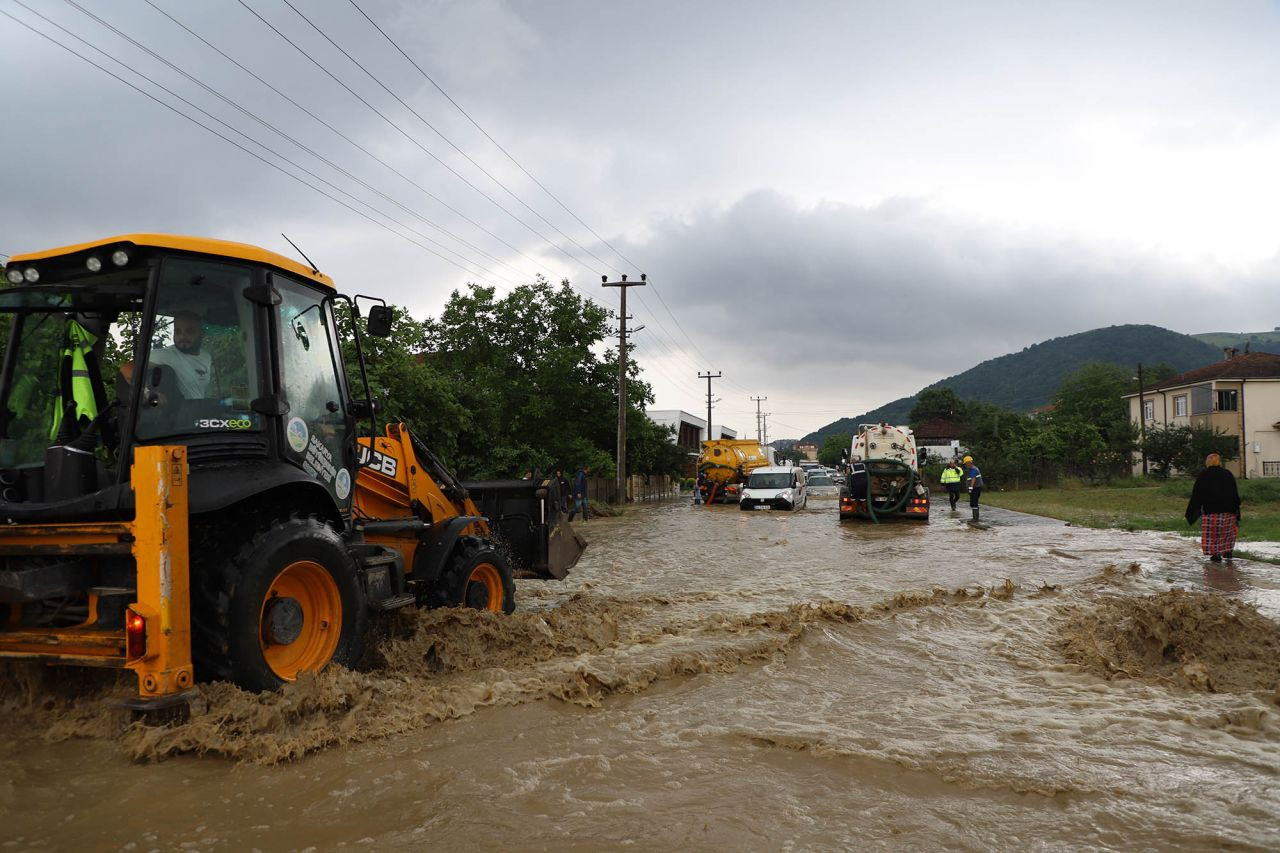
(775, 487)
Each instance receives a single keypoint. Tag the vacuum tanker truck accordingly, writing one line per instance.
(884, 476)
(724, 467)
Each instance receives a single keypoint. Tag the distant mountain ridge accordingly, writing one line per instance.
(1258, 341)
(1025, 380)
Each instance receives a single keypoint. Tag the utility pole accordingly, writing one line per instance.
(1142, 420)
(709, 376)
(622, 377)
(759, 421)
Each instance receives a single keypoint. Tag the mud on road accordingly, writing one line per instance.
(712, 679)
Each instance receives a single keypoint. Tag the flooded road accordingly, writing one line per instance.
(713, 679)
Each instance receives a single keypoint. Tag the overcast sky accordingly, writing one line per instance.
(835, 203)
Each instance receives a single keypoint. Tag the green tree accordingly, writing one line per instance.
(1097, 434)
(833, 448)
(404, 383)
(526, 370)
(651, 448)
(1183, 448)
(936, 404)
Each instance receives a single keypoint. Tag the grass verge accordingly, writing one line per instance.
(1158, 507)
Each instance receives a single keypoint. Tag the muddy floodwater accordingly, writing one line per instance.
(709, 679)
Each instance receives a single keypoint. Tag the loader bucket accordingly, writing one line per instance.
(525, 515)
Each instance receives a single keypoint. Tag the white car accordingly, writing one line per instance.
(775, 487)
(823, 485)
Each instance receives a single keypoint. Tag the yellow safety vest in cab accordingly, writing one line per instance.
(80, 390)
(950, 475)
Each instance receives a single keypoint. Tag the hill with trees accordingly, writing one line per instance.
(1025, 380)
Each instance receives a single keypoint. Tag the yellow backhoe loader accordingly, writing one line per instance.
(214, 512)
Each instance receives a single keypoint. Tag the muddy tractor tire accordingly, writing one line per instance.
(272, 605)
(476, 576)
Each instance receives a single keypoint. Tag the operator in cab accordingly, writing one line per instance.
(190, 363)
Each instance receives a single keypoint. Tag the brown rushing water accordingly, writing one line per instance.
(711, 679)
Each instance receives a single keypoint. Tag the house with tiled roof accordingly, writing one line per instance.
(940, 437)
(1239, 395)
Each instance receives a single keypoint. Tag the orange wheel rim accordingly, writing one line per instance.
(300, 620)
(483, 590)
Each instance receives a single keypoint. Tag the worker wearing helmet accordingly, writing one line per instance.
(974, 477)
(951, 478)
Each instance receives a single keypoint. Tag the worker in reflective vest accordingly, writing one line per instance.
(950, 478)
(79, 390)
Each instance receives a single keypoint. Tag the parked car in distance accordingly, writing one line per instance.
(778, 487)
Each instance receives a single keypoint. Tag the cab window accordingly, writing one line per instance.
(201, 364)
(316, 425)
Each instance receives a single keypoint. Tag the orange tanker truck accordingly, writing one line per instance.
(216, 511)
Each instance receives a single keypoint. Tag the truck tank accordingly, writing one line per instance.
(725, 465)
(884, 476)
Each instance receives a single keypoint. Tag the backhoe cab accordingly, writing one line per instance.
(184, 489)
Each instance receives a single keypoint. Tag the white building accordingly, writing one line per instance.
(691, 430)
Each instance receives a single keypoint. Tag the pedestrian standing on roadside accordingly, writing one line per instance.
(1215, 500)
(974, 478)
(950, 478)
(580, 493)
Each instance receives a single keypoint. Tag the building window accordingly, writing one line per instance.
(1149, 410)
(1180, 406)
(1228, 401)
(1271, 469)
(1201, 400)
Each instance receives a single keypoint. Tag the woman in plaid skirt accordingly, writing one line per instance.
(1215, 500)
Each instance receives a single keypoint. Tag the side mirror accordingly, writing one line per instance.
(364, 408)
(380, 318)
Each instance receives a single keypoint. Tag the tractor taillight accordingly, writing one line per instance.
(135, 635)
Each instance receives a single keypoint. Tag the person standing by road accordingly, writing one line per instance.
(950, 479)
(580, 493)
(1215, 500)
(974, 477)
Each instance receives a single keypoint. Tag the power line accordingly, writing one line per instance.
(469, 159)
(531, 177)
(449, 141)
(411, 138)
(211, 130)
(518, 165)
(495, 142)
(278, 132)
(356, 145)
